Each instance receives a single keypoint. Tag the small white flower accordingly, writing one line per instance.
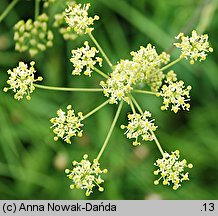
(195, 47)
(86, 175)
(77, 18)
(84, 59)
(67, 125)
(175, 94)
(143, 68)
(121, 81)
(150, 63)
(21, 80)
(171, 170)
(139, 127)
(61, 24)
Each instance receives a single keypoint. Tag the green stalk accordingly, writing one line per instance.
(96, 109)
(8, 9)
(132, 105)
(157, 142)
(101, 50)
(37, 4)
(171, 64)
(68, 89)
(137, 105)
(110, 131)
(144, 92)
(101, 73)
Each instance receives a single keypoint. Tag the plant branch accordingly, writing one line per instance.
(37, 4)
(144, 92)
(132, 105)
(110, 131)
(137, 105)
(101, 73)
(68, 89)
(171, 63)
(96, 109)
(101, 50)
(8, 9)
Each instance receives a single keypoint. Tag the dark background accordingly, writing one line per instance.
(32, 164)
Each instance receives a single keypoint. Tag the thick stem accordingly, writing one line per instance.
(68, 89)
(101, 50)
(101, 73)
(171, 64)
(8, 9)
(96, 109)
(110, 131)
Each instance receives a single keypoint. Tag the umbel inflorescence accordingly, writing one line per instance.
(145, 72)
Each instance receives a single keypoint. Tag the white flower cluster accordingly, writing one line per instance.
(21, 80)
(33, 36)
(174, 93)
(67, 125)
(194, 47)
(78, 19)
(143, 68)
(121, 80)
(139, 126)
(84, 57)
(171, 170)
(150, 63)
(86, 175)
(61, 24)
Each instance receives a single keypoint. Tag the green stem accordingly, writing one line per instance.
(157, 142)
(8, 9)
(171, 64)
(110, 131)
(132, 105)
(152, 132)
(96, 109)
(144, 92)
(101, 73)
(137, 105)
(37, 4)
(68, 89)
(101, 50)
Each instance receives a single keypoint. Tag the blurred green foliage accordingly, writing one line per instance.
(32, 164)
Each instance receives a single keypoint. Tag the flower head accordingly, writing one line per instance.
(86, 175)
(195, 47)
(121, 81)
(149, 59)
(67, 125)
(78, 19)
(84, 57)
(33, 36)
(150, 63)
(171, 170)
(61, 24)
(139, 127)
(174, 93)
(21, 80)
